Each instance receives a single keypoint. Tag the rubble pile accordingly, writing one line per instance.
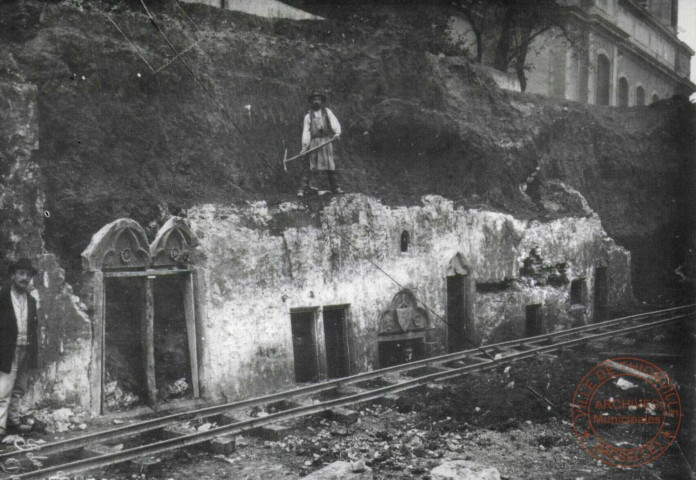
(59, 420)
(115, 398)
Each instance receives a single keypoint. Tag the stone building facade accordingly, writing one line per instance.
(633, 58)
(242, 301)
(630, 55)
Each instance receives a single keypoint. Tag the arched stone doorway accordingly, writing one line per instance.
(603, 80)
(144, 315)
(623, 92)
(461, 290)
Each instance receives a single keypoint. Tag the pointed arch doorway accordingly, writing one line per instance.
(144, 345)
(461, 290)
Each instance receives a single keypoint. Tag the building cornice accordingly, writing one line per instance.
(602, 26)
(647, 16)
(639, 52)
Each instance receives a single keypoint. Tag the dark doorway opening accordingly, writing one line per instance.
(335, 327)
(398, 352)
(304, 345)
(577, 292)
(460, 323)
(600, 294)
(534, 323)
(172, 356)
(603, 80)
(124, 370)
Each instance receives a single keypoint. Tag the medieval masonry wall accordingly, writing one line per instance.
(263, 264)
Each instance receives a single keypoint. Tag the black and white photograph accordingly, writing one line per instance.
(347, 239)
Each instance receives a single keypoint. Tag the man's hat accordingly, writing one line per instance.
(311, 96)
(22, 264)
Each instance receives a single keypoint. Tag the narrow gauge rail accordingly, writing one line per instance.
(485, 357)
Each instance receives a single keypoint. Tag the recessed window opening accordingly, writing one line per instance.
(405, 240)
(623, 92)
(534, 324)
(577, 292)
(640, 96)
(603, 80)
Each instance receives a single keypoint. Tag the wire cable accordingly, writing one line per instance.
(204, 87)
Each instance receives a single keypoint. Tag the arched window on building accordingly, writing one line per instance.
(623, 92)
(603, 80)
(655, 98)
(640, 96)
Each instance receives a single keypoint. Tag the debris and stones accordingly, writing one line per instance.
(115, 398)
(342, 470)
(464, 470)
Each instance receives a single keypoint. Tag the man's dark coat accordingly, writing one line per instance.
(8, 331)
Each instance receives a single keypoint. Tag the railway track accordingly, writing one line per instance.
(96, 453)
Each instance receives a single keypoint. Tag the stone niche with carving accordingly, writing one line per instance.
(404, 316)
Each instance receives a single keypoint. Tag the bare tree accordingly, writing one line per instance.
(515, 24)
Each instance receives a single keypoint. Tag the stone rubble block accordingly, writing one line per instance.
(342, 471)
(464, 470)
(224, 445)
(344, 415)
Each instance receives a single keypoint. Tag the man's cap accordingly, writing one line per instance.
(311, 96)
(22, 264)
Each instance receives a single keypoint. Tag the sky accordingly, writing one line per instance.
(687, 29)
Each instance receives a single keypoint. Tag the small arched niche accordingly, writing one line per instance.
(144, 297)
(405, 241)
(461, 290)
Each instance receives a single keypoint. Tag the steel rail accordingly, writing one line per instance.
(240, 427)
(161, 422)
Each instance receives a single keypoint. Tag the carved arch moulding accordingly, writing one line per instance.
(119, 244)
(173, 244)
(457, 266)
(122, 244)
(404, 315)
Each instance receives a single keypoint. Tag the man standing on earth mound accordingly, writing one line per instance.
(320, 126)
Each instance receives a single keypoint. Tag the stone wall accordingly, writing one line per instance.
(265, 262)
(64, 327)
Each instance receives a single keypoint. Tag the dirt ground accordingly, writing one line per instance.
(490, 418)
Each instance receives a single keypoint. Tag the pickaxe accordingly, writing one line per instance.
(302, 154)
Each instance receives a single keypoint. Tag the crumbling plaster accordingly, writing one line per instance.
(258, 272)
